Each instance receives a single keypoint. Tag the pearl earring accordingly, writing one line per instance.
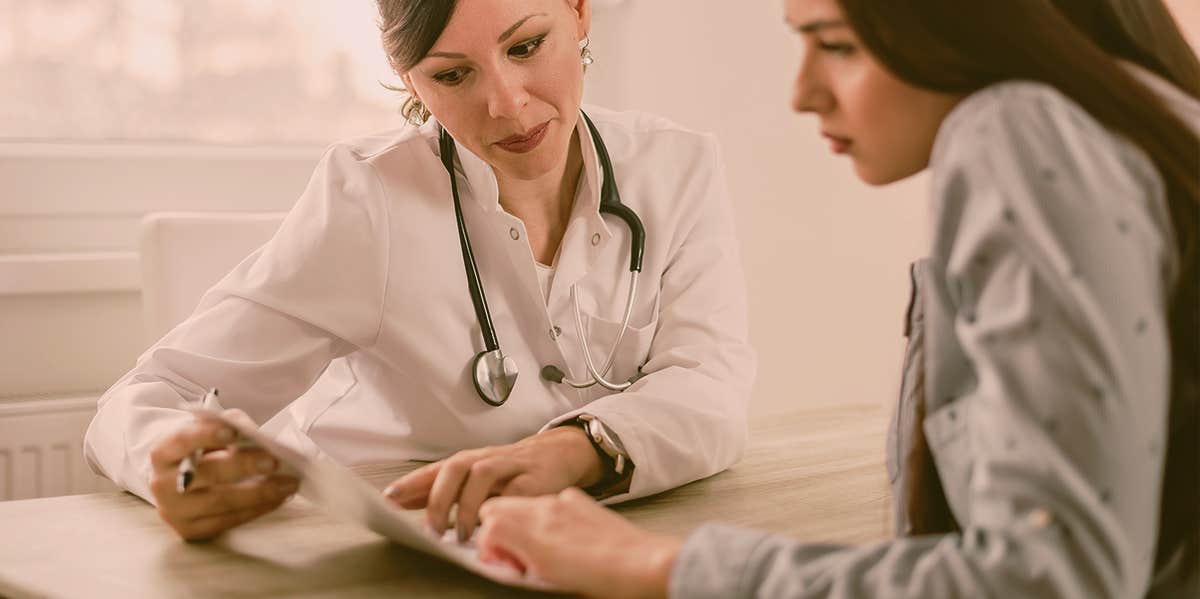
(585, 55)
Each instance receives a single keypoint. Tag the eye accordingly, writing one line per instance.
(837, 49)
(527, 48)
(451, 77)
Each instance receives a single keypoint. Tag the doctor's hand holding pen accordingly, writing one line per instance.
(204, 483)
(545, 463)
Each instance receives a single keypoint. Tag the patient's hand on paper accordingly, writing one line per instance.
(547, 462)
(232, 484)
(576, 545)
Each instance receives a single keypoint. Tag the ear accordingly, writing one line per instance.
(583, 16)
(408, 85)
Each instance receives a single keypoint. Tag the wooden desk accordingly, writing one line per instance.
(815, 474)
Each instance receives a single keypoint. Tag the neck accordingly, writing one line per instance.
(550, 194)
(544, 204)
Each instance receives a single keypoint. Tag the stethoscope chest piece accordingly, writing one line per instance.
(495, 375)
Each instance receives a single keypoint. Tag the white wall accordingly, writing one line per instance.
(826, 257)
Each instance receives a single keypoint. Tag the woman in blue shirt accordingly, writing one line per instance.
(1051, 447)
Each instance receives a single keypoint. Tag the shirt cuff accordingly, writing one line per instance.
(714, 562)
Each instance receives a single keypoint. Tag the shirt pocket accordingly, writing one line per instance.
(946, 432)
(631, 354)
(912, 378)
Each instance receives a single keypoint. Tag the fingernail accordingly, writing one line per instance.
(433, 529)
(225, 435)
(266, 465)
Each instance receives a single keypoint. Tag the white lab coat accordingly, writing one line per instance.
(363, 291)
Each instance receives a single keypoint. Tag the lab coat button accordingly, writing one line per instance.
(596, 239)
(555, 332)
(514, 234)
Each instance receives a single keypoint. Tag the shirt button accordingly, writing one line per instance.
(596, 239)
(514, 234)
(555, 332)
(1039, 518)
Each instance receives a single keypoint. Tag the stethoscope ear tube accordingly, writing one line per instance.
(446, 144)
(637, 242)
(610, 200)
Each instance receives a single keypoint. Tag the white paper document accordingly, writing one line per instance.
(347, 496)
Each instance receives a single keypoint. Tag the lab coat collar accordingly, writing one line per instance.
(485, 189)
(587, 234)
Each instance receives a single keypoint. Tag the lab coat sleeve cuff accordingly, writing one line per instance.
(717, 561)
(109, 453)
(623, 431)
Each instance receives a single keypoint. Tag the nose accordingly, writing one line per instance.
(507, 95)
(810, 93)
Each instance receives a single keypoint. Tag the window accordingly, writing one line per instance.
(215, 71)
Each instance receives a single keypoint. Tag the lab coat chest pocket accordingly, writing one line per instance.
(631, 354)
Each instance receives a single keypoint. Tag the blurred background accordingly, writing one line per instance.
(113, 109)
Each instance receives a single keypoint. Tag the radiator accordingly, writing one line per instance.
(41, 448)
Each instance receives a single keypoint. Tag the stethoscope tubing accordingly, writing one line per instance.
(478, 298)
(610, 203)
(597, 377)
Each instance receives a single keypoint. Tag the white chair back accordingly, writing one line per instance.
(183, 254)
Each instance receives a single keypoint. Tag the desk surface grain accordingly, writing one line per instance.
(815, 474)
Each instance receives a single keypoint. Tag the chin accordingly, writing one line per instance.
(526, 167)
(877, 177)
(535, 164)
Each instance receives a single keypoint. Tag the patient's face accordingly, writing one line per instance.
(884, 125)
(505, 79)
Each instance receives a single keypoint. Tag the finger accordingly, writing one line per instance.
(196, 435)
(182, 510)
(575, 495)
(163, 483)
(208, 527)
(523, 485)
(230, 466)
(497, 555)
(503, 533)
(411, 491)
(239, 417)
(484, 478)
(445, 490)
(232, 497)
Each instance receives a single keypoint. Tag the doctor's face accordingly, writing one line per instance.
(884, 125)
(505, 79)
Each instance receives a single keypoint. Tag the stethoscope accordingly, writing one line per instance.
(495, 374)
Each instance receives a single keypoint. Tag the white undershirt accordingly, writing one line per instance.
(545, 278)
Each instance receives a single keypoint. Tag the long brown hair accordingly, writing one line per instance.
(1140, 31)
(960, 47)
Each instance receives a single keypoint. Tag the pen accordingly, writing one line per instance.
(187, 467)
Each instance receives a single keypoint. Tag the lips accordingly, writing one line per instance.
(520, 144)
(837, 143)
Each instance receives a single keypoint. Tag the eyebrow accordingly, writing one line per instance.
(508, 32)
(503, 37)
(819, 25)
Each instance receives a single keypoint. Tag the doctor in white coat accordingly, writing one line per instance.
(351, 334)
